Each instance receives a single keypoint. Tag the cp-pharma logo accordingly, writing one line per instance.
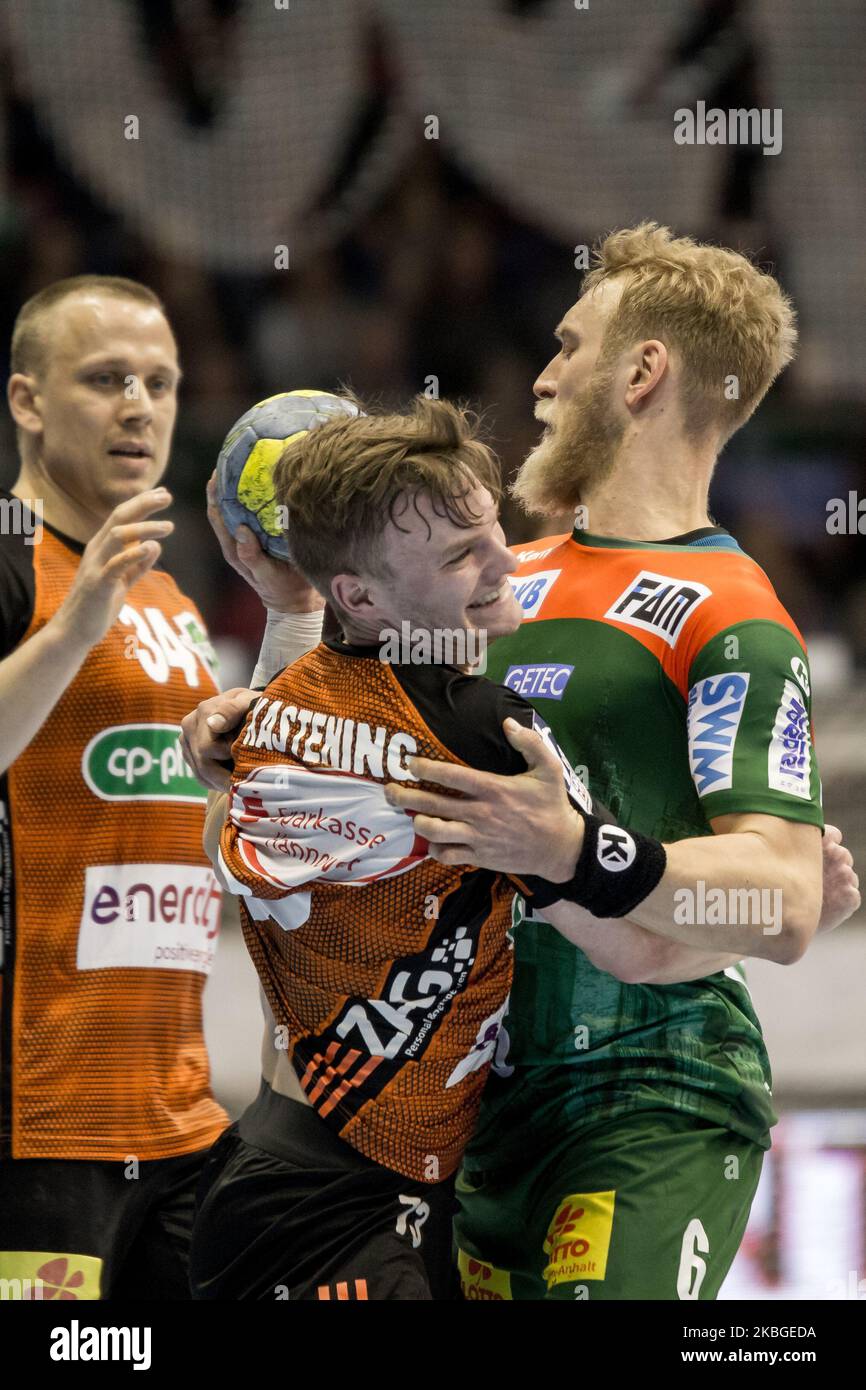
(139, 762)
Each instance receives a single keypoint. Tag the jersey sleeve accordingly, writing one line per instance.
(17, 592)
(749, 724)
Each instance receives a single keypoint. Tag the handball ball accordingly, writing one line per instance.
(245, 467)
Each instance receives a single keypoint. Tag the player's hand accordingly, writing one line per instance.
(208, 732)
(522, 825)
(123, 549)
(841, 896)
(281, 587)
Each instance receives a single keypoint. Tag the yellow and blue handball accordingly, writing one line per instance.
(245, 467)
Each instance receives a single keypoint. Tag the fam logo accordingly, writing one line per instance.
(531, 590)
(716, 706)
(483, 1282)
(658, 604)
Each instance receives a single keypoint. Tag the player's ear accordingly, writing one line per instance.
(351, 594)
(646, 370)
(21, 393)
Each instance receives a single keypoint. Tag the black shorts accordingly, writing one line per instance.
(287, 1210)
(89, 1230)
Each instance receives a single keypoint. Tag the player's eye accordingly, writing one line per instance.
(103, 378)
(457, 558)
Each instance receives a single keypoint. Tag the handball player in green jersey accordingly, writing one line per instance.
(622, 1134)
(623, 1129)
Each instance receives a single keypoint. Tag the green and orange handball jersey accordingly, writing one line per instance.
(673, 678)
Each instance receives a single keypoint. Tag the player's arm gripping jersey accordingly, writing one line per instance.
(387, 972)
(111, 911)
(673, 676)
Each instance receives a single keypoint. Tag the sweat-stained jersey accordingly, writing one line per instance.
(388, 972)
(673, 674)
(110, 908)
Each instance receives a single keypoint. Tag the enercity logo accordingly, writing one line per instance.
(21, 516)
(732, 907)
(738, 126)
(438, 646)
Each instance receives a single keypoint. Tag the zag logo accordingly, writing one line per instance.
(716, 706)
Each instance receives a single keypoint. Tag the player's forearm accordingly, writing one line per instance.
(32, 680)
(631, 953)
(738, 893)
(286, 638)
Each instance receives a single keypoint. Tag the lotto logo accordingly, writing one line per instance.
(531, 590)
(39, 1275)
(578, 1238)
(481, 1282)
(658, 604)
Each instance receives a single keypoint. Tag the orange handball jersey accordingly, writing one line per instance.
(387, 972)
(111, 909)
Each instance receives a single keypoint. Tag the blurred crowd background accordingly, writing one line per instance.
(395, 196)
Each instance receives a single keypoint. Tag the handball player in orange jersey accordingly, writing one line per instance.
(111, 911)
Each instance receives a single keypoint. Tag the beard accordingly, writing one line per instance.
(576, 455)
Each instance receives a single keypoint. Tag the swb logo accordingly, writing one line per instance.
(658, 604)
(616, 849)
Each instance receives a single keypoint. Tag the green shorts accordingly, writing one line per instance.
(652, 1205)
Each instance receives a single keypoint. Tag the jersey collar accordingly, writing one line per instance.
(673, 542)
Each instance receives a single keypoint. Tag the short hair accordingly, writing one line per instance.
(724, 316)
(340, 484)
(29, 350)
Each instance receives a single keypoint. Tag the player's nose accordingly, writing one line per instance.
(544, 386)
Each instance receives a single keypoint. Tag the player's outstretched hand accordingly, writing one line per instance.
(523, 824)
(281, 587)
(841, 896)
(208, 732)
(123, 549)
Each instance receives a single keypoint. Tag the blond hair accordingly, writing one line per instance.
(724, 317)
(341, 483)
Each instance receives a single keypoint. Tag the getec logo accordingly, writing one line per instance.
(538, 682)
(656, 603)
(531, 590)
(716, 706)
(139, 762)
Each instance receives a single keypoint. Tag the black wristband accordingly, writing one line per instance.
(616, 870)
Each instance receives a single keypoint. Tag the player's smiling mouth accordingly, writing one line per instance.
(490, 598)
